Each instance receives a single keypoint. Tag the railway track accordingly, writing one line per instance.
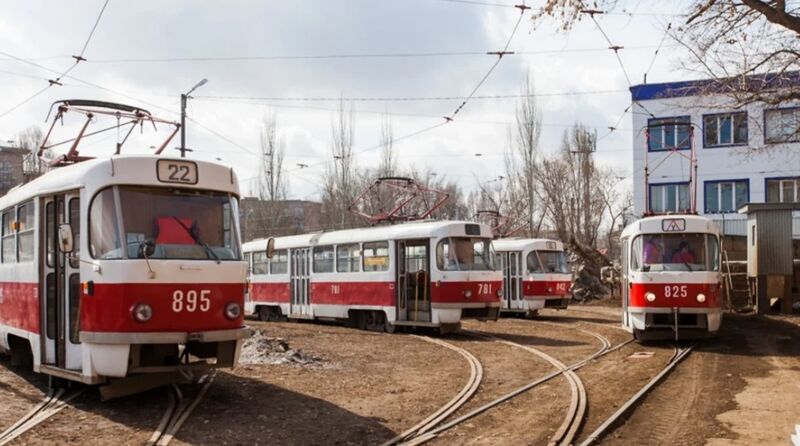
(178, 411)
(54, 402)
(574, 417)
(611, 422)
(466, 392)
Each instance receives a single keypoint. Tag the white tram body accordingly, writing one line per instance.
(535, 274)
(671, 280)
(431, 273)
(153, 280)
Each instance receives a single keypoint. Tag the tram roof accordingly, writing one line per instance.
(521, 244)
(118, 169)
(671, 224)
(410, 230)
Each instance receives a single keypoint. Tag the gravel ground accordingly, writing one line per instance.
(307, 384)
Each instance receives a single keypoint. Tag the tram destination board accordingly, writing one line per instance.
(673, 225)
(174, 171)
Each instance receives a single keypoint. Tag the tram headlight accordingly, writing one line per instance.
(233, 310)
(142, 312)
(650, 296)
(701, 297)
(467, 293)
(499, 292)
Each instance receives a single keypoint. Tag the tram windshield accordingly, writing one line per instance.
(675, 252)
(465, 254)
(137, 222)
(542, 262)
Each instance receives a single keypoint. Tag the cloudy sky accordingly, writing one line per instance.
(273, 56)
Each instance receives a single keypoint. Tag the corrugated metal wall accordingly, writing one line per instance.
(773, 243)
(738, 226)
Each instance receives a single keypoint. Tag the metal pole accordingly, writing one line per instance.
(183, 126)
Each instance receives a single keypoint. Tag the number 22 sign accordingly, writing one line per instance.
(173, 171)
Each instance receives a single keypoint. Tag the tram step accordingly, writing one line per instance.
(419, 315)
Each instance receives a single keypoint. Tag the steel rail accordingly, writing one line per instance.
(177, 412)
(53, 403)
(605, 349)
(625, 408)
(466, 392)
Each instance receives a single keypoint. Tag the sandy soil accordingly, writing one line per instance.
(341, 386)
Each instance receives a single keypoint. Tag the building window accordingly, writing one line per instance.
(673, 197)
(725, 196)
(783, 190)
(727, 129)
(782, 125)
(668, 133)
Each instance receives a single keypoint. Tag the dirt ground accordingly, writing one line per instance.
(332, 385)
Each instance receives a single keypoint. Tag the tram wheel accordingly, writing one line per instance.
(388, 326)
(263, 314)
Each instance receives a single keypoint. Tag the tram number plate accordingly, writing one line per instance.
(675, 291)
(171, 171)
(484, 288)
(191, 301)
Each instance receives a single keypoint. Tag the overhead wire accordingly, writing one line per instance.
(57, 81)
(402, 98)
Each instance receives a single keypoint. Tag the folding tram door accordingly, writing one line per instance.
(512, 279)
(413, 281)
(60, 284)
(625, 284)
(299, 273)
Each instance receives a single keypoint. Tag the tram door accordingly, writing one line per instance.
(413, 281)
(624, 283)
(510, 264)
(60, 284)
(299, 274)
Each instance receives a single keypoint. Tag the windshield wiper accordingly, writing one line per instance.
(197, 240)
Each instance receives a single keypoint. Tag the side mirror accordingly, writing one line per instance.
(270, 247)
(65, 240)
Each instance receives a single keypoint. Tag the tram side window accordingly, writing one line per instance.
(279, 262)
(323, 259)
(260, 264)
(348, 258)
(104, 239)
(7, 238)
(247, 258)
(25, 232)
(376, 256)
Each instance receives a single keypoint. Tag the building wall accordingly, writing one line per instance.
(11, 168)
(754, 162)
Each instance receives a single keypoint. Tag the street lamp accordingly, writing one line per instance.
(184, 97)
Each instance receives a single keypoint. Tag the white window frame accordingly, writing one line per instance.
(792, 135)
(780, 182)
(718, 185)
(718, 121)
(663, 191)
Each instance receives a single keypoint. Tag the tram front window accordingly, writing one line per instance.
(675, 252)
(163, 223)
(547, 262)
(465, 254)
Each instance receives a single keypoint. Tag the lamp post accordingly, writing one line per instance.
(184, 97)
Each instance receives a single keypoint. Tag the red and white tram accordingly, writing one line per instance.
(535, 274)
(671, 280)
(122, 266)
(429, 274)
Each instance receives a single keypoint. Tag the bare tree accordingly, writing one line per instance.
(340, 181)
(522, 166)
(735, 43)
(30, 139)
(270, 183)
